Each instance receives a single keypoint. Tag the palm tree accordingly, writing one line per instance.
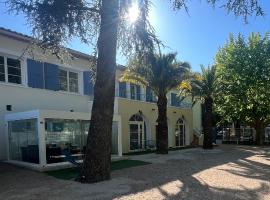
(203, 87)
(161, 73)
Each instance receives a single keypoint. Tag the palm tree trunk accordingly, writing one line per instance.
(97, 162)
(208, 132)
(162, 127)
(259, 127)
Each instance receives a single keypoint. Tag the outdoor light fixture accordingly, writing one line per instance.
(9, 107)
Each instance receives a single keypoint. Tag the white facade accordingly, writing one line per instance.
(21, 97)
(20, 100)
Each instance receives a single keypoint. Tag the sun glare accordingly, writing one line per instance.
(133, 13)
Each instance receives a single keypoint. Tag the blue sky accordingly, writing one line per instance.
(195, 36)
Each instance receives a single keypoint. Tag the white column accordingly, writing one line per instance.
(187, 133)
(116, 89)
(7, 139)
(170, 135)
(120, 147)
(41, 141)
(143, 93)
(128, 90)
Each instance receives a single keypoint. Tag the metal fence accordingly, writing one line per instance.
(238, 135)
(243, 135)
(267, 135)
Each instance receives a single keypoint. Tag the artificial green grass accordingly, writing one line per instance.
(71, 173)
(66, 174)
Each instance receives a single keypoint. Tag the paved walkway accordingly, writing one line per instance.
(227, 172)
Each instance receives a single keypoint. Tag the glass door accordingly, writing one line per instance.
(180, 133)
(136, 135)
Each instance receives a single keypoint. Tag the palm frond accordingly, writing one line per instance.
(161, 72)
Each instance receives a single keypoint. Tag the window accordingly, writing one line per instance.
(63, 80)
(68, 81)
(23, 140)
(2, 69)
(180, 133)
(14, 71)
(122, 89)
(10, 70)
(73, 82)
(175, 101)
(135, 92)
(150, 96)
(137, 132)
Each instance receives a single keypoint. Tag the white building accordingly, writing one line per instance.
(45, 107)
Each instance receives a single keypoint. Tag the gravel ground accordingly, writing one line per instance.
(227, 172)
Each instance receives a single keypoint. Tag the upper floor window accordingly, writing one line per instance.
(150, 96)
(175, 100)
(2, 69)
(10, 70)
(123, 89)
(68, 81)
(135, 92)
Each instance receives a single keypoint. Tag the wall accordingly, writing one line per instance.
(128, 107)
(197, 116)
(23, 99)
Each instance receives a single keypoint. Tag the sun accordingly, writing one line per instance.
(133, 13)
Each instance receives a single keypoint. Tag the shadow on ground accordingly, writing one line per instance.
(228, 172)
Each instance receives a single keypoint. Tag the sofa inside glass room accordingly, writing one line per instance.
(44, 138)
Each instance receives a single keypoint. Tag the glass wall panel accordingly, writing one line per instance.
(63, 137)
(23, 141)
(85, 128)
(66, 139)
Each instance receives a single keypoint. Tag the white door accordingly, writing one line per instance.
(180, 133)
(136, 132)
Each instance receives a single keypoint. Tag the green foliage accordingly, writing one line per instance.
(244, 79)
(161, 72)
(200, 85)
(55, 23)
(203, 87)
(244, 8)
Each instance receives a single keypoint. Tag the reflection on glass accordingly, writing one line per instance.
(69, 137)
(23, 141)
(63, 137)
(180, 133)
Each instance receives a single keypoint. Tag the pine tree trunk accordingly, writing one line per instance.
(162, 127)
(259, 132)
(208, 132)
(97, 162)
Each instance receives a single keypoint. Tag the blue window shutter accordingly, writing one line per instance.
(51, 76)
(35, 74)
(175, 101)
(122, 89)
(88, 88)
(138, 92)
(148, 94)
